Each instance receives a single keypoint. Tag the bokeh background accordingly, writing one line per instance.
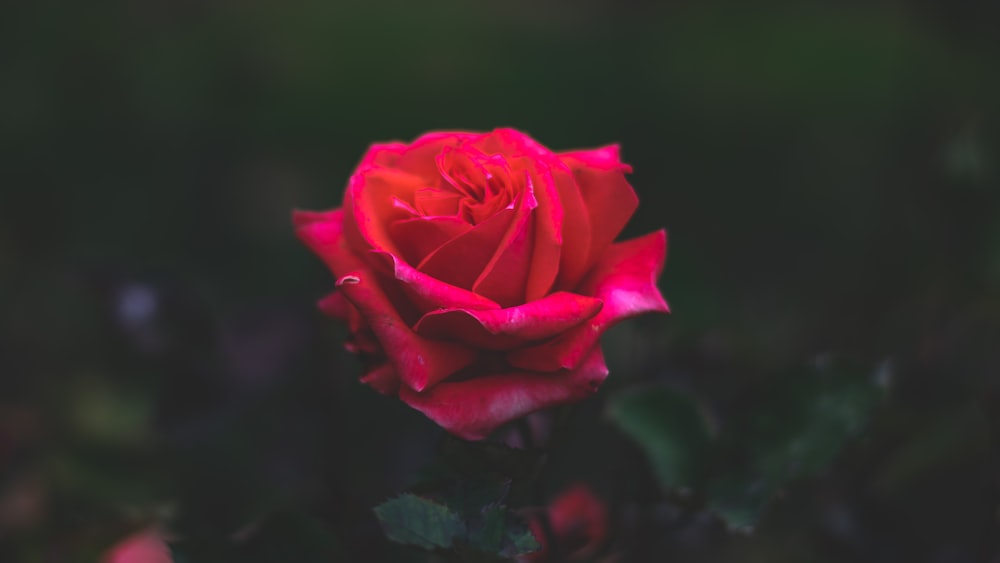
(828, 172)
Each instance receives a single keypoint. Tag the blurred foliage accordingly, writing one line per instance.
(793, 428)
(796, 430)
(486, 531)
(672, 431)
(828, 172)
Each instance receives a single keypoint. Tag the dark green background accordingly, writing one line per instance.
(828, 173)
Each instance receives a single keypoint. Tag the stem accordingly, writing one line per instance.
(556, 436)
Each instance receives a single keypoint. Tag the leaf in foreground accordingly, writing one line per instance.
(412, 520)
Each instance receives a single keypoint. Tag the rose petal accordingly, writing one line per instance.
(609, 198)
(577, 231)
(361, 340)
(500, 329)
(579, 508)
(548, 236)
(437, 202)
(578, 522)
(472, 409)
(625, 280)
(419, 157)
(426, 292)
(381, 154)
(419, 237)
(460, 261)
(383, 379)
(334, 305)
(144, 547)
(370, 206)
(323, 233)
(512, 143)
(607, 158)
(302, 217)
(420, 363)
(504, 277)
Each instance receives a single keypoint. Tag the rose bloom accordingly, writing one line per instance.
(143, 547)
(477, 272)
(578, 520)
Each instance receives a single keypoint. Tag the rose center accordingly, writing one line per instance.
(474, 185)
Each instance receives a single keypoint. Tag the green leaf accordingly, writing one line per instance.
(794, 433)
(518, 538)
(740, 501)
(412, 520)
(503, 532)
(469, 515)
(488, 535)
(670, 428)
(800, 433)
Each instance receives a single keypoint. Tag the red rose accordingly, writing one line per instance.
(578, 521)
(477, 272)
(143, 547)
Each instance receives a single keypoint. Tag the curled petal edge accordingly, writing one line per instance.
(500, 329)
(323, 233)
(474, 408)
(382, 378)
(625, 280)
(606, 158)
(381, 154)
(419, 362)
(427, 292)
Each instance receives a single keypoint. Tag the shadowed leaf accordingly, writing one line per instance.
(671, 430)
(412, 520)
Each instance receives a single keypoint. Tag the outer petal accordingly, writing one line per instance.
(503, 329)
(625, 280)
(605, 159)
(382, 378)
(302, 217)
(609, 198)
(361, 341)
(323, 233)
(472, 409)
(381, 154)
(334, 305)
(420, 363)
(576, 229)
(372, 203)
